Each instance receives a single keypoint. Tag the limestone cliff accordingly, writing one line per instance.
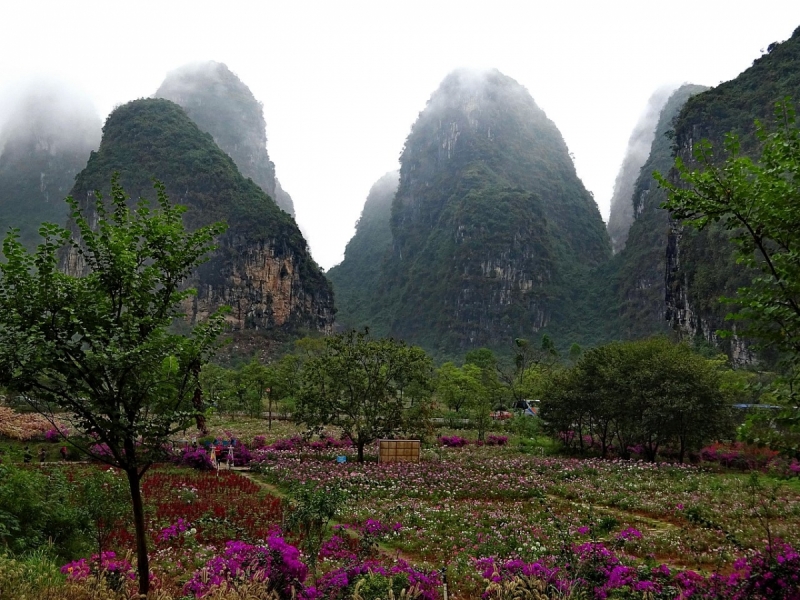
(222, 105)
(262, 268)
(637, 272)
(700, 265)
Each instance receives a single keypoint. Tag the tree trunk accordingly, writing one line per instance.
(142, 562)
(197, 401)
(269, 411)
(360, 451)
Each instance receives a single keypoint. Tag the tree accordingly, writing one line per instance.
(480, 373)
(482, 391)
(360, 384)
(106, 501)
(757, 202)
(99, 345)
(311, 509)
(215, 383)
(451, 386)
(526, 356)
(649, 392)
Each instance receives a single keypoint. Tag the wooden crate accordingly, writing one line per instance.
(398, 451)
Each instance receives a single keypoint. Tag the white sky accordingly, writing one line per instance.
(342, 81)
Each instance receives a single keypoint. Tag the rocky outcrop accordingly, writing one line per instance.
(263, 287)
(262, 268)
(222, 105)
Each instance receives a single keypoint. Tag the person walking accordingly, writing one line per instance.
(230, 457)
(214, 460)
(42, 454)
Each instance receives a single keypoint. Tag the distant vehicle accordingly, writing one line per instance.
(529, 408)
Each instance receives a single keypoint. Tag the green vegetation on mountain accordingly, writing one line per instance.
(621, 215)
(701, 264)
(154, 138)
(756, 201)
(356, 279)
(493, 234)
(43, 144)
(222, 105)
(635, 276)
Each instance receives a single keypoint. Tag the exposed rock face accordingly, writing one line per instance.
(262, 268)
(701, 266)
(263, 288)
(356, 279)
(45, 140)
(638, 270)
(222, 105)
(491, 228)
(621, 216)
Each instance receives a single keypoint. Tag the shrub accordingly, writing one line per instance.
(453, 441)
(277, 565)
(738, 455)
(496, 440)
(197, 459)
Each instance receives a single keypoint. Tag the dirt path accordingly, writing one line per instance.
(278, 493)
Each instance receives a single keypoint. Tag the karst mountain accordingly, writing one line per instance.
(492, 231)
(222, 105)
(262, 268)
(44, 142)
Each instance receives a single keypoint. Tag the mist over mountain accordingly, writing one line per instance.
(262, 268)
(492, 231)
(621, 215)
(356, 279)
(222, 105)
(636, 273)
(700, 265)
(47, 131)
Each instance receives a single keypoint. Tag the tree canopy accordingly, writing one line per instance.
(758, 203)
(649, 393)
(371, 388)
(99, 346)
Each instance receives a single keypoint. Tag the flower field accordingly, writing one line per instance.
(480, 503)
(499, 522)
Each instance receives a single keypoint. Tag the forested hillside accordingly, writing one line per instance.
(636, 274)
(221, 104)
(621, 214)
(493, 234)
(700, 265)
(263, 268)
(356, 279)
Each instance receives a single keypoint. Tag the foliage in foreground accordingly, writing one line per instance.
(755, 203)
(98, 345)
